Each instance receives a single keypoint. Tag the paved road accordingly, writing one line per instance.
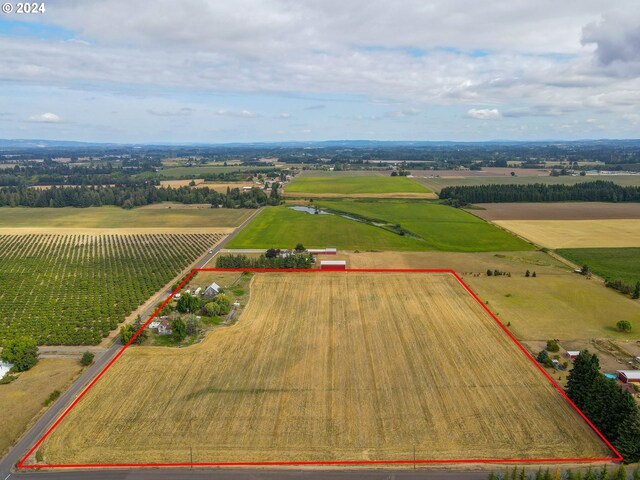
(35, 433)
(248, 474)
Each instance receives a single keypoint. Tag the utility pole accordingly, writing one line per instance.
(414, 457)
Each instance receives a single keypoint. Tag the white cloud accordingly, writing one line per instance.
(45, 118)
(285, 115)
(484, 113)
(236, 113)
(527, 59)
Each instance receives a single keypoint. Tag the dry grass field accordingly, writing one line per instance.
(577, 233)
(22, 400)
(157, 218)
(555, 304)
(557, 211)
(330, 366)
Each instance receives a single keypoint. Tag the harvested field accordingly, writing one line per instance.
(577, 233)
(391, 362)
(555, 304)
(557, 211)
(180, 183)
(166, 217)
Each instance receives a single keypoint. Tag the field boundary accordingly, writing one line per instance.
(21, 464)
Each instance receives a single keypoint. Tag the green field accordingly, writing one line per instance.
(609, 263)
(436, 227)
(355, 185)
(282, 227)
(115, 217)
(437, 184)
(442, 227)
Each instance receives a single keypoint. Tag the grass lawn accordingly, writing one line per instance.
(282, 227)
(442, 227)
(355, 185)
(116, 217)
(609, 263)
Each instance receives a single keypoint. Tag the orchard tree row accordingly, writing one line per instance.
(75, 289)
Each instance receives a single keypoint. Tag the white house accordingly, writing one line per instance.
(212, 290)
(165, 328)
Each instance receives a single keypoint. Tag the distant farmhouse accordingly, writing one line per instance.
(212, 290)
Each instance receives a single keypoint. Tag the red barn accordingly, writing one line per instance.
(629, 376)
(333, 264)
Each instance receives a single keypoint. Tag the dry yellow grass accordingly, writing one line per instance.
(22, 400)
(330, 366)
(577, 233)
(556, 304)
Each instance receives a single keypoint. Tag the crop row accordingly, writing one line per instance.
(75, 289)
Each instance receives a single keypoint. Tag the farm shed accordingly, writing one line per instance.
(573, 353)
(629, 376)
(333, 264)
(212, 290)
(322, 251)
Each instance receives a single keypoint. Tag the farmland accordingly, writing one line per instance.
(557, 211)
(282, 227)
(577, 233)
(393, 362)
(557, 303)
(180, 173)
(158, 217)
(356, 185)
(75, 289)
(441, 227)
(23, 399)
(438, 183)
(609, 263)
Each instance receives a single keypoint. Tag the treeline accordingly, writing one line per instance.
(612, 410)
(598, 191)
(293, 260)
(133, 195)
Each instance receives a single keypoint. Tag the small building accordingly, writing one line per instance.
(197, 291)
(212, 290)
(165, 328)
(333, 264)
(322, 251)
(629, 376)
(154, 325)
(573, 353)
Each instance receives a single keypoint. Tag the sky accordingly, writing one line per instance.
(216, 71)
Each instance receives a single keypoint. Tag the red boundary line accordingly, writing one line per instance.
(617, 457)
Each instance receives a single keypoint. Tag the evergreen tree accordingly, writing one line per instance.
(586, 369)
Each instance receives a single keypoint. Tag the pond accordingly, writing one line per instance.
(317, 211)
